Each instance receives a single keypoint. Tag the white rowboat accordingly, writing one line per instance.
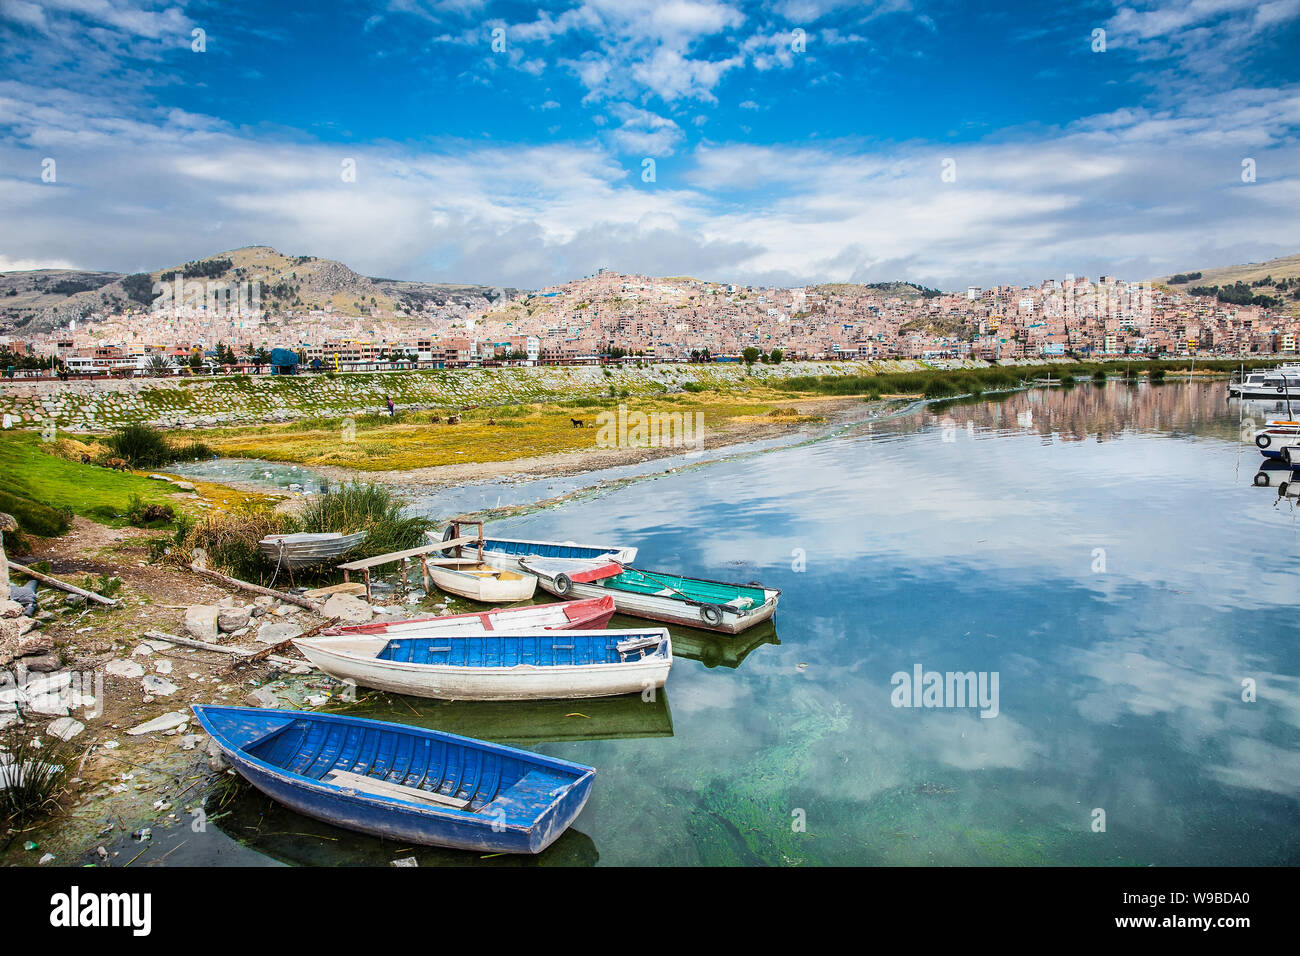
(481, 582)
(541, 665)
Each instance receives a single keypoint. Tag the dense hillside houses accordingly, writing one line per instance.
(629, 318)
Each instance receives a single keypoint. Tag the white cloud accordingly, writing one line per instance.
(1137, 192)
(644, 133)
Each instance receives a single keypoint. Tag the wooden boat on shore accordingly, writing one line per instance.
(400, 782)
(306, 549)
(480, 581)
(506, 552)
(674, 599)
(588, 615)
(535, 665)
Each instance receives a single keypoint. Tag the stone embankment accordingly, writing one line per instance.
(104, 404)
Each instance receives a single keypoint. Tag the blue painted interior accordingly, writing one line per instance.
(548, 649)
(523, 549)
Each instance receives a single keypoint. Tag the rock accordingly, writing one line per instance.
(44, 664)
(277, 631)
(158, 686)
(261, 698)
(264, 600)
(65, 728)
(129, 669)
(233, 619)
(74, 600)
(34, 644)
(47, 858)
(201, 622)
(404, 861)
(159, 724)
(9, 635)
(184, 485)
(190, 741)
(217, 761)
(348, 609)
(11, 609)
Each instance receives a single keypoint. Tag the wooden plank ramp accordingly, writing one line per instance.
(365, 564)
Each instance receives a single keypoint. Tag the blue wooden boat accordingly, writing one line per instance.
(506, 552)
(400, 782)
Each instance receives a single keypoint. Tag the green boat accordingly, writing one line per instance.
(672, 598)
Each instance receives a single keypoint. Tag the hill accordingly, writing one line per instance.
(1276, 277)
(45, 299)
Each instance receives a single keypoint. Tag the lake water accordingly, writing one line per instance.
(1102, 551)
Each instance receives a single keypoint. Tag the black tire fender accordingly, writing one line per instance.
(563, 584)
(711, 614)
(1263, 440)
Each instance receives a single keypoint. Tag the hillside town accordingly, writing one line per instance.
(613, 317)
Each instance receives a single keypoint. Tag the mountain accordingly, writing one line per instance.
(45, 299)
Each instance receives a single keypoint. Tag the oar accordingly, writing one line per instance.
(646, 574)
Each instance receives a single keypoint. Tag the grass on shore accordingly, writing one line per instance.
(45, 484)
(499, 433)
(42, 489)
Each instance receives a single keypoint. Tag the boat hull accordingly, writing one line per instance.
(347, 659)
(484, 589)
(305, 551)
(664, 609)
(398, 820)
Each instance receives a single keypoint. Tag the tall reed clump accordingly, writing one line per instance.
(373, 508)
(140, 446)
(143, 446)
(227, 541)
(33, 780)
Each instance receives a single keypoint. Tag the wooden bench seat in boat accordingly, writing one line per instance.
(396, 791)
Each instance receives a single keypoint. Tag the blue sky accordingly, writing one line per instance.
(792, 140)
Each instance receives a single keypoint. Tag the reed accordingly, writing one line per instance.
(361, 506)
(143, 446)
(36, 779)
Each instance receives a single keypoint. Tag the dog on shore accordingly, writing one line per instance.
(578, 423)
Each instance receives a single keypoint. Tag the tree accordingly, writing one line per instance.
(776, 356)
(139, 288)
(750, 355)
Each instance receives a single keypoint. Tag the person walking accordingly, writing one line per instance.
(392, 412)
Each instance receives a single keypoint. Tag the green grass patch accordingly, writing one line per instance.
(41, 490)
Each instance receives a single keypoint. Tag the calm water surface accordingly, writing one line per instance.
(1101, 549)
